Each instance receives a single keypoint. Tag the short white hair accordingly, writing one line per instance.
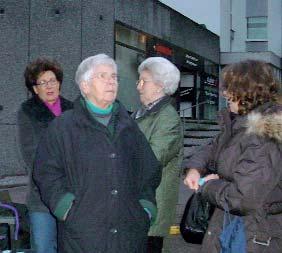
(163, 72)
(85, 70)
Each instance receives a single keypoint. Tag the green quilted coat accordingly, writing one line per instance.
(163, 129)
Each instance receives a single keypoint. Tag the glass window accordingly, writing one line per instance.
(210, 112)
(130, 51)
(128, 61)
(257, 28)
(130, 37)
(211, 68)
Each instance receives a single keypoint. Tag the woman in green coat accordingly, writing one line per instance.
(161, 124)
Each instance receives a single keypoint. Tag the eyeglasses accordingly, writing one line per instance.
(104, 76)
(142, 82)
(51, 82)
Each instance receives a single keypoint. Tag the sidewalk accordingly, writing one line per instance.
(176, 244)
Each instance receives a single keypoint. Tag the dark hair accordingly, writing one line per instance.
(250, 82)
(37, 67)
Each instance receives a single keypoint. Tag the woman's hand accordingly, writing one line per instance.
(193, 176)
(192, 179)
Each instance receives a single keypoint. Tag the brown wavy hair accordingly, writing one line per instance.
(250, 82)
(39, 66)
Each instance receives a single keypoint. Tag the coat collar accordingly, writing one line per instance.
(120, 118)
(265, 121)
(163, 102)
(36, 108)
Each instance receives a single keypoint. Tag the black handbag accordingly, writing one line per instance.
(195, 219)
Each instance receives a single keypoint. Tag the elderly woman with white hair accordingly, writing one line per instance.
(159, 121)
(96, 171)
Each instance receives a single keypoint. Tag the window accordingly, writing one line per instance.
(130, 37)
(130, 51)
(211, 68)
(257, 28)
(128, 60)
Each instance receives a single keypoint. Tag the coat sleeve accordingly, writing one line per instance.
(167, 138)
(49, 172)
(149, 174)
(26, 140)
(202, 158)
(254, 177)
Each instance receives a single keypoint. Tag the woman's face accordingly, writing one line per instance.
(102, 88)
(148, 90)
(232, 105)
(48, 87)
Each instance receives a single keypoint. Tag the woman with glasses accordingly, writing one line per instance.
(43, 79)
(161, 124)
(95, 169)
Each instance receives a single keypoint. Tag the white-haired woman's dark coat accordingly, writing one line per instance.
(106, 173)
(249, 159)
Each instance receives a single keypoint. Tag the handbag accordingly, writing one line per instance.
(194, 222)
(232, 238)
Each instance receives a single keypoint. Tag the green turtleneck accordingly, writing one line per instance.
(103, 116)
(97, 110)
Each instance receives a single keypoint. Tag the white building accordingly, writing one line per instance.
(251, 29)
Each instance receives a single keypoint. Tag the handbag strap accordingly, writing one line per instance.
(227, 216)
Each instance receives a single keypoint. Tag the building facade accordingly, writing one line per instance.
(128, 30)
(251, 29)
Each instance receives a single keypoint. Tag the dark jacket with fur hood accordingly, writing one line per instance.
(33, 119)
(248, 158)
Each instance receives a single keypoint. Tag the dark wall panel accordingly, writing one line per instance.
(195, 38)
(146, 15)
(56, 32)
(97, 27)
(14, 31)
(14, 26)
(163, 22)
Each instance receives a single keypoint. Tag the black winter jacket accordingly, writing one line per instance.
(33, 119)
(106, 174)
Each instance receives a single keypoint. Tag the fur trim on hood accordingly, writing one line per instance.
(269, 125)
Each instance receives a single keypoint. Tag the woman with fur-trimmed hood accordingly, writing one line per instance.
(247, 155)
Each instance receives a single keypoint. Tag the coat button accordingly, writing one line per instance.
(209, 233)
(114, 192)
(113, 155)
(113, 230)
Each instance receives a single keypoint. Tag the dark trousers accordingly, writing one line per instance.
(155, 244)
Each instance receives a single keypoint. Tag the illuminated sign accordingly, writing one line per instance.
(211, 81)
(163, 50)
(191, 60)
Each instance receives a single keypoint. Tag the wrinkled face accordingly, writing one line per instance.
(48, 87)
(232, 105)
(102, 88)
(148, 90)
